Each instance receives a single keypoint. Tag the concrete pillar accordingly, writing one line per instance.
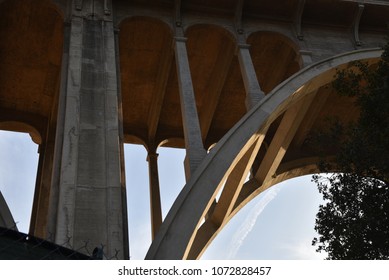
(195, 151)
(37, 193)
(40, 209)
(91, 200)
(59, 137)
(253, 91)
(155, 196)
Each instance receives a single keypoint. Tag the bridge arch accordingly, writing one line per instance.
(16, 126)
(184, 234)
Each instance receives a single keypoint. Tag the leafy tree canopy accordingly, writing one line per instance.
(354, 222)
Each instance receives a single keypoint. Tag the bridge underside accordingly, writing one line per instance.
(239, 84)
(291, 105)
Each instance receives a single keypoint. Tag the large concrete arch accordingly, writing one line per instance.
(183, 235)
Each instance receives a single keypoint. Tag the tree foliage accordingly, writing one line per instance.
(354, 222)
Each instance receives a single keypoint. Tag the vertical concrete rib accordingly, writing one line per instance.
(91, 200)
(59, 137)
(65, 213)
(253, 90)
(155, 196)
(195, 151)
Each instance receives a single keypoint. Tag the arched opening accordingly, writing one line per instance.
(275, 58)
(277, 224)
(171, 174)
(282, 217)
(30, 65)
(217, 80)
(171, 179)
(145, 62)
(18, 172)
(138, 200)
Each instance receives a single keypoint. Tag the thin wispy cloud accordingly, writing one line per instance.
(248, 224)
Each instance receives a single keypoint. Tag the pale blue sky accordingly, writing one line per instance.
(277, 224)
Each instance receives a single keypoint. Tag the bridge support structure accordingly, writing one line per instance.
(239, 87)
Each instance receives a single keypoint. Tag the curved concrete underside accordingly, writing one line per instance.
(236, 50)
(195, 218)
(150, 87)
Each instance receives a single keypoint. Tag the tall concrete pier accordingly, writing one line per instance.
(238, 84)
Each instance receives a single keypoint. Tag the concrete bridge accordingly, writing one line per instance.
(239, 84)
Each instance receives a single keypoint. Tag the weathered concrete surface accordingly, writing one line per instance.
(62, 87)
(195, 151)
(91, 205)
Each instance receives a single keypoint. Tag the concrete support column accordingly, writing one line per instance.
(253, 91)
(37, 193)
(155, 196)
(59, 136)
(195, 151)
(40, 209)
(91, 201)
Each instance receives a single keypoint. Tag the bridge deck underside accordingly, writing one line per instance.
(33, 58)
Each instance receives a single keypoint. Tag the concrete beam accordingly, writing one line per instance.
(279, 145)
(155, 196)
(238, 16)
(214, 89)
(195, 151)
(310, 118)
(159, 90)
(91, 199)
(204, 235)
(234, 183)
(40, 210)
(298, 19)
(253, 91)
(218, 217)
(357, 20)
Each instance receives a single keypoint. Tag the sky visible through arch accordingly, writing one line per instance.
(277, 224)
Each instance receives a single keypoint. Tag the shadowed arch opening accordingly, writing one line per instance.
(275, 58)
(145, 62)
(217, 80)
(31, 52)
